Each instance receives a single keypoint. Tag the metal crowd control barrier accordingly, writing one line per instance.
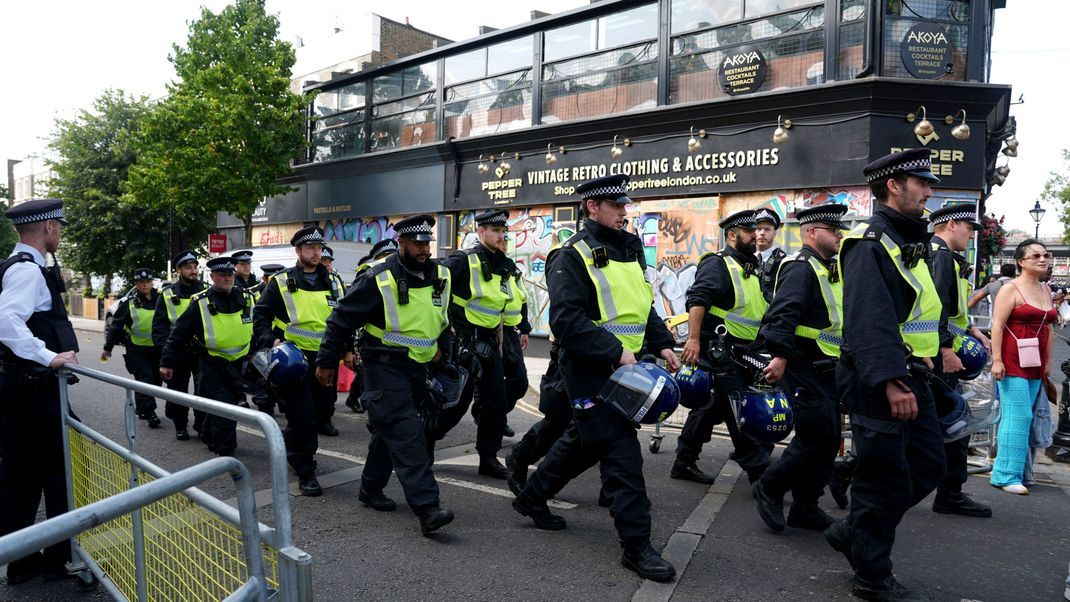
(186, 546)
(131, 502)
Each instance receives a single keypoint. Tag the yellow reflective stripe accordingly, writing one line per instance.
(172, 309)
(206, 319)
(444, 274)
(390, 304)
(816, 334)
(475, 276)
(600, 278)
(287, 297)
(826, 292)
(896, 254)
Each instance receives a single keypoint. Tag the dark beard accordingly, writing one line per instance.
(411, 263)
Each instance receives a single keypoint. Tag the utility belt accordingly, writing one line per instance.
(381, 353)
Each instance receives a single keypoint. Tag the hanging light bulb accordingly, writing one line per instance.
(780, 134)
(960, 131)
(504, 166)
(482, 167)
(1003, 170)
(1012, 143)
(550, 157)
(998, 179)
(924, 127)
(693, 144)
(615, 152)
(1011, 152)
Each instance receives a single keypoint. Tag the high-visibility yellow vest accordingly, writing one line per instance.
(306, 312)
(828, 339)
(139, 331)
(176, 306)
(226, 335)
(748, 304)
(958, 320)
(487, 298)
(338, 283)
(624, 297)
(515, 306)
(920, 329)
(415, 325)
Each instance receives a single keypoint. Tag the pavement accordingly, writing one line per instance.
(713, 535)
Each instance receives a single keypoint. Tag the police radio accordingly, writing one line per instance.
(403, 290)
(601, 257)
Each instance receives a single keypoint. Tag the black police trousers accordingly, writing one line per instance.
(307, 404)
(599, 435)
(32, 464)
(143, 363)
(489, 386)
(805, 466)
(899, 464)
(221, 380)
(956, 454)
(557, 416)
(395, 392)
(698, 428)
(184, 371)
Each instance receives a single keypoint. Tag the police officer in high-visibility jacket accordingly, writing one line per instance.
(131, 326)
(219, 324)
(402, 305)
(515, 331)
(379, 251)
(602, 314)
(802, 330)
(726, 293)
(891, 316)
(328, 262)
(954, 226)
(174, 301)
(294, 307)
(765, 248)
(244, 276)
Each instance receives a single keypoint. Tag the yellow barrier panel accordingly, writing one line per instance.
(190, 553)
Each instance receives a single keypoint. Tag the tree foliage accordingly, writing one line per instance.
(230, 126)
(94, 151)
(1057, 191)
(8, 236)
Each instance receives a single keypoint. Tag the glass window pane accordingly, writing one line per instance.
(463, 67)
(496, 104)
(325, 103)
(629, 26)
(338, 136)
(386, 87)
(699, 14)
(351, 97)
(511, 55)
(601, 84)
(930, 10)
(852, 38)
(402, 130)
(895, 33)
(569, 41)
(852, 10)
(756, 8)
(420, 78)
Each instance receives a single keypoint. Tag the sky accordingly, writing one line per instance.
(56, 56)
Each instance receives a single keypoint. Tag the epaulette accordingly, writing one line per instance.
(198, 295)
(575, 238)
(873, 232)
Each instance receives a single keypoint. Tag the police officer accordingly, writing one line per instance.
(263, 395)
(294, 307)
(328, 262)
(131, 326)
(243, 273)
(541, 436)
(402, 306)
(379, 251)
(769, 253)
(954, 226)
(515, 331)
(483, 285)
(603, 316)
(802, 329)
(891, 315)
(726, 293)
(219, 323)
(36, 338)
(174, 301)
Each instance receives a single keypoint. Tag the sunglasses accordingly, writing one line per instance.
(1037, 256)
(835, 231)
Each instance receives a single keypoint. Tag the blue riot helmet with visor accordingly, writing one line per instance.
(644, 393)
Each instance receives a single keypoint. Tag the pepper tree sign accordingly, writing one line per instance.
(927, 51)
(742, 70)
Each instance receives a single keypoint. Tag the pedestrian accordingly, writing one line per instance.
(603, 316)
(1022, 345)
(769, 253)
(891, 316)
(173, 302)
(402, 305)
(294, 307)
(726, 295)
(379, 251)
(131, 327)
(36, 340)
(954, 227)
(988, 293)
(802, 330)
(219, 325)
(483, 285)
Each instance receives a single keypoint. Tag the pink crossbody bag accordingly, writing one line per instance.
(1028, 349)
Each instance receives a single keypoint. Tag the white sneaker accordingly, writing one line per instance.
(1015, 489)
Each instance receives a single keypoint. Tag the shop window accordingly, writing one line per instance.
(447, 232)
(499, 103)
(792, 44)
(338, 123)
(609, 31)
(903, 16)
(689, 15)
(852, 38)
(403, 113)
(565, 216)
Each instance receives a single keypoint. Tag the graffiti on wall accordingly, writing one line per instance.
(368, 230)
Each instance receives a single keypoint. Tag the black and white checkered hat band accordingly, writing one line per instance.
(828, 216)
(606, 192)
(37, 217)
(142, 275)
(424, 228)
(188, 257)
(884, 172)
(310, 237)
(222, 266)
(961, 216)
(766, 215)
(746, 222)
(499, 219)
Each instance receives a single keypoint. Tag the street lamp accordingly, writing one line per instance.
(1037, 213)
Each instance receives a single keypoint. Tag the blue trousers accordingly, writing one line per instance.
(1016, 395)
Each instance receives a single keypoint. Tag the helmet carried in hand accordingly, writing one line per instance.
(281, 365)
(974, 358)
(644, 393)
(695, 385)
(763, 414)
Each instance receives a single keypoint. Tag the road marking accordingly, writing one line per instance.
(527, 408)
(496, 491)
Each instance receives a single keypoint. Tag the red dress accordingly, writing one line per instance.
(1025, 322)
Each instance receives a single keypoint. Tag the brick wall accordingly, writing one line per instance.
(398, 40)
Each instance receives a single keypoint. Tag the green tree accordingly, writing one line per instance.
(230, 127)
(1057, 191)
(8, 236)
(95, 150)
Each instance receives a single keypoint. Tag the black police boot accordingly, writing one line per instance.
(489, 466)
(518, 474)
(753, 474)
(154, 423)
(508, 431)
(957, 502)
(885, 589)
(840, 481)
(26, 569)
(376, 501)
(328, 429)
(539, 513)
(689, 471)
(809, 516)
(645, 561)
(770, 507)
(434, 518)
(353, 403)
(839, 537)
(181, 434)
(309, 486)
(269, 410)
(224, 452)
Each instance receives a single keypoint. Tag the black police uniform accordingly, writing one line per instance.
(251, 285)
(713, 287)
(186, 367)
(513, 366)
(588, 356)
(899, 462)
(263, 395)
(771, 265)
(142, 361)
(809, 380)
(217, 378)
(556, 418)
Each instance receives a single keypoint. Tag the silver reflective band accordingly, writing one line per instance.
(603, 283)
(301, 332)
(955, 330)
(136, 323)
(916, 326)
(230, 350)
(206, 319)
(831, 338)
(407, 341)
(738, 319)
(482, 309)
(915, 312)
(625, 329)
